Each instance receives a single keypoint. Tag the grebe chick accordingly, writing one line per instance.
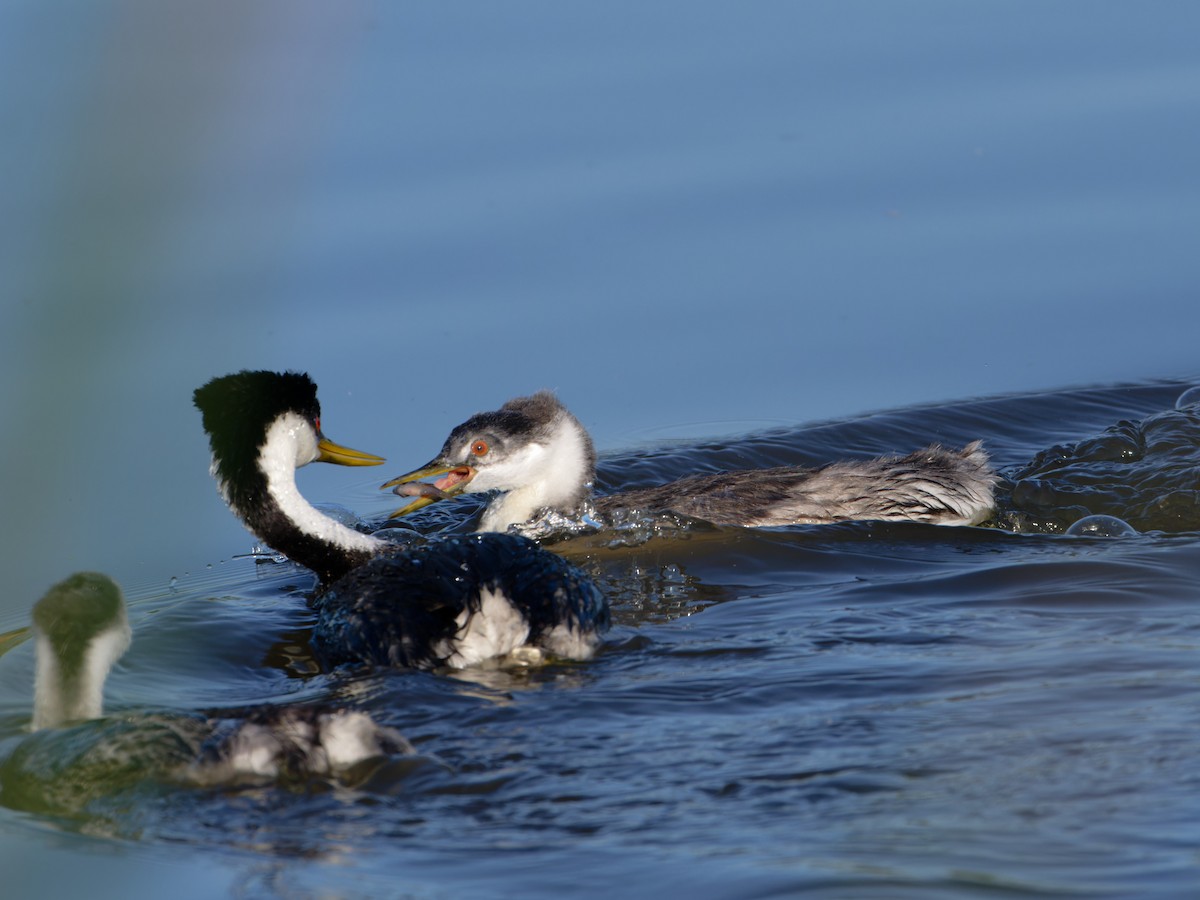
(80, 631)
(539, 458)
(454, 602)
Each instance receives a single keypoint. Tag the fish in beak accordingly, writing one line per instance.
(454, 481)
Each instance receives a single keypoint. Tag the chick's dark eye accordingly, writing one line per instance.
(479, 448)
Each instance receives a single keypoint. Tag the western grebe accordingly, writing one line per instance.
(80, 630)
(540, 458)
(454, 602)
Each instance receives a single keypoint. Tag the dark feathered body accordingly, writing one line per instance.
(362, 618)
(931, 485)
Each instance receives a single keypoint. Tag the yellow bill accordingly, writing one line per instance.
(345, 456)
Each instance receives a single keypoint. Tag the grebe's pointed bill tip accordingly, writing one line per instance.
(426, 471)
(345, 456)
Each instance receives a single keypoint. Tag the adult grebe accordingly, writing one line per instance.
(80, 631)
(540, 458)
(454, 602)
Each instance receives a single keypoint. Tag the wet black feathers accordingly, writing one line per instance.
(401, 609)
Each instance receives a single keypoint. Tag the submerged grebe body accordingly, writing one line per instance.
(80, 631)
(454, 602)
(539, 458)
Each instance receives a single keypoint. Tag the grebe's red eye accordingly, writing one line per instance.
(479, 448)
(317, 422)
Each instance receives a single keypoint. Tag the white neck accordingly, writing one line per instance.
(291, 443)
(553, 475)
(59, 697)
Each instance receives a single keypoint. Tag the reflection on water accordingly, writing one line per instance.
(866, 709)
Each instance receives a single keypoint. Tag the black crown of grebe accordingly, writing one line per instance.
(80, 630)
(456, 602)
(540, 459)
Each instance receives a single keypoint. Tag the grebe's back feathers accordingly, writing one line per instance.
(935, 485)
(447, 614)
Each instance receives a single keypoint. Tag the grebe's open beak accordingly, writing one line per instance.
(454, 483)
(344, 456)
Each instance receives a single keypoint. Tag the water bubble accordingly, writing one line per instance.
(1101, 526)
(1190, 397)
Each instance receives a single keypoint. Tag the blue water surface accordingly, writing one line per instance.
(692, 220)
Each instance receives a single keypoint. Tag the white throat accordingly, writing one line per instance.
(291, 443)
(551, 475)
